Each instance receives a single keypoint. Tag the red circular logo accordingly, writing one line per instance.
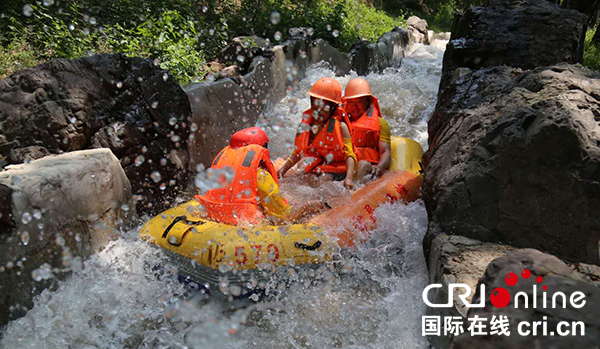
(500, 297)
(511, 279)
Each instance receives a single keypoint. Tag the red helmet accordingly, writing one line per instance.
(251, 135)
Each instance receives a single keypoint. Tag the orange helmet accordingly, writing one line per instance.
(358, 87)
(252, 135)
(328, 89)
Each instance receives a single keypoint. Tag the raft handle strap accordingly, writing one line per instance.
(308, 247)
(175, 221)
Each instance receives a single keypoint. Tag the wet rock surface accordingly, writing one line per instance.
(60, 210)
(126, 104)
(418, 30)
(557, 277)
(515, 157)
(516, 33)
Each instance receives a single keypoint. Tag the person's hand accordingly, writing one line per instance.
(280, 173)
(376, 172)
(348, 184)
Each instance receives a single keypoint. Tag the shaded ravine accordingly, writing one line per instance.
(371, 299)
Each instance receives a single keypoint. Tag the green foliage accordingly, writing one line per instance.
(442, 21)
(591, 53)
(180, 34)
(17, 55)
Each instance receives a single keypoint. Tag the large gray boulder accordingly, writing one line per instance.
(516, 33)
(418, 30)
(514, 157)
(556, 276)
(129, 105)
(56, 211)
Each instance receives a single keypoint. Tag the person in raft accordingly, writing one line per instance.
(370, 132)
(254, 191)
(324, 134)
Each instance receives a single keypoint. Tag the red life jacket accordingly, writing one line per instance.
(365, 133)
(238, 201)
(328, 145)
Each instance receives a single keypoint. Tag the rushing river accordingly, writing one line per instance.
(371, 301)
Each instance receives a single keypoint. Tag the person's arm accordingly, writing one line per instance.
(385, 148)
(289, 163)
(350, 156)
(275, 207)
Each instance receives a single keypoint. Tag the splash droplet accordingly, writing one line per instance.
(139, 160)
(277, 36)
(25, 238)
(37, 214)
(172, 121)
(26, 217)
(154, 105)
(275, 17)
(335, 33)
(27, 10)
(119, 84)
(156, 177)
(329, 158)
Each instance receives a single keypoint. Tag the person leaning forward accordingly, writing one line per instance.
(253, 193)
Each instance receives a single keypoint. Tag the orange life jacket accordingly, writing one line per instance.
(365, 133)
(238, 201)
(328, 145)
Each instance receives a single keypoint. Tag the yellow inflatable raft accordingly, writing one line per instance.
(216, 255)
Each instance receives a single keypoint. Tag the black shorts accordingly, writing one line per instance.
(338, 177)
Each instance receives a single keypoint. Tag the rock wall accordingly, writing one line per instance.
(227, 105)
(56, 211)
(126, 104)
(514, 161)
(516, 33)
(515, 157)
